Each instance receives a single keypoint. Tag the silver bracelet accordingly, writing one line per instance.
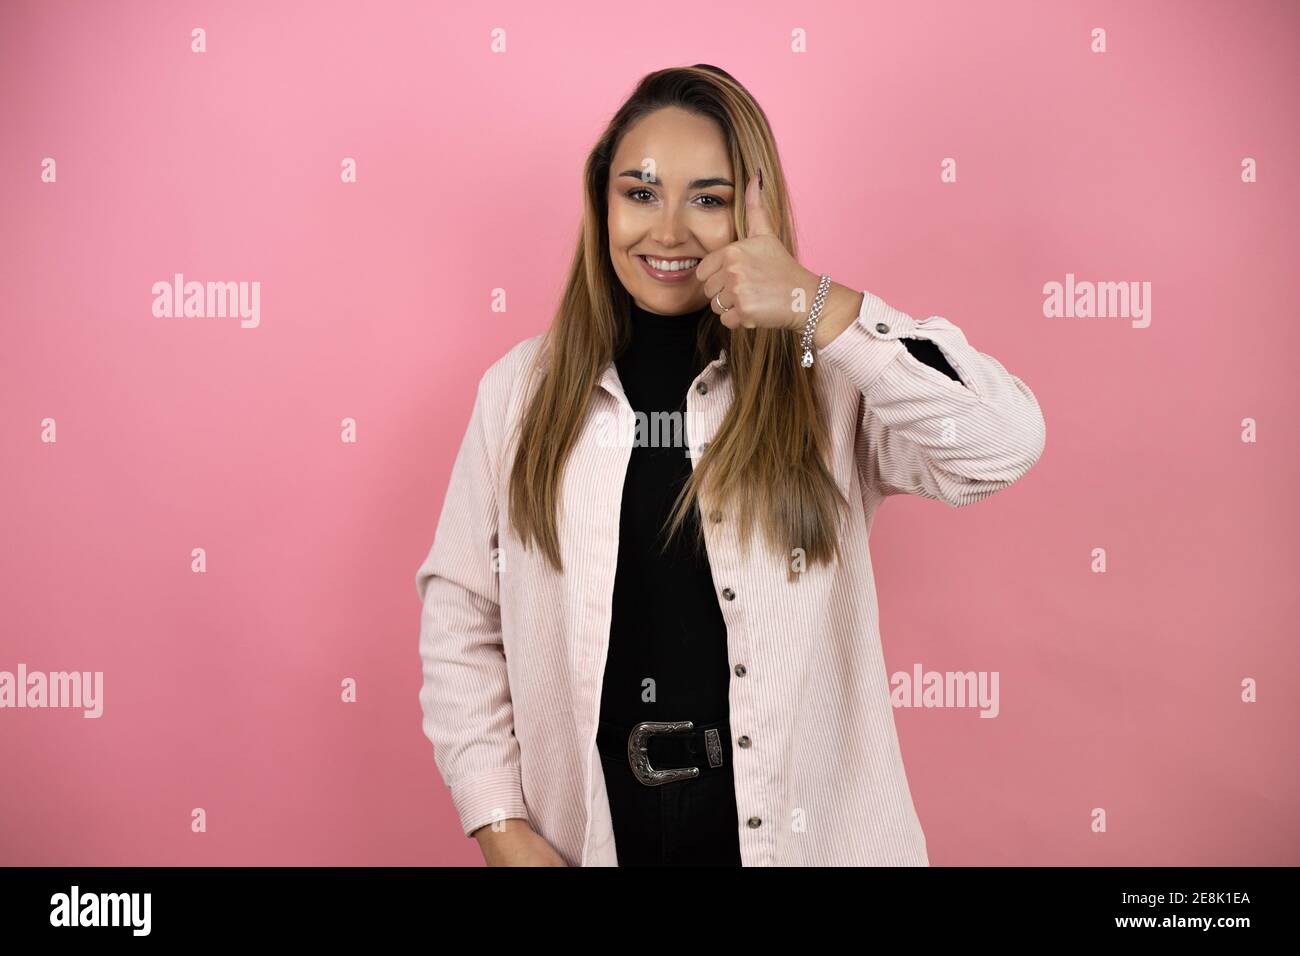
(819, 300)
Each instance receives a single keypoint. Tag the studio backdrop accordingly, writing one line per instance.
(257, 256)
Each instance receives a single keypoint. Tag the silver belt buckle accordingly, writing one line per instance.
(638, 754)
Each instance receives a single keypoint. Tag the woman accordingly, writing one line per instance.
(609, 680)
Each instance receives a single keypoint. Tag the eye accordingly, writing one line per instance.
(713, 201)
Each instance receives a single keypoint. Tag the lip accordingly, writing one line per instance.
(681, 275)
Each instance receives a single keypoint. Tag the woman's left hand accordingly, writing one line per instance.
(756, 277)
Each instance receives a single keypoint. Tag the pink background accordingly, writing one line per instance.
(1118, 690)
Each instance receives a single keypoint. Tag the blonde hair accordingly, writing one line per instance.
(767, 460)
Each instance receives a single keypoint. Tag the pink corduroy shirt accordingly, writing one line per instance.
(513, 653)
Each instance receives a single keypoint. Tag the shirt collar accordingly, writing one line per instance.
(610, 383)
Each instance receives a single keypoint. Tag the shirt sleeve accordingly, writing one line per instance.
(921, 432)
(465, 697)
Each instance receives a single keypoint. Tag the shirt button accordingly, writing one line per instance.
(882, 328)
(729, 594)
(744, 741)
(702, 388)
(740, 670)
(754, 823)
(715, 515)
(704, 448)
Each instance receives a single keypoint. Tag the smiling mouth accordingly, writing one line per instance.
(681, 264)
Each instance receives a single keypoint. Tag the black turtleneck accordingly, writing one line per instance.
(667, 626)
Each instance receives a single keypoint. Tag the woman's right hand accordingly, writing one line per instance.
(515, 844)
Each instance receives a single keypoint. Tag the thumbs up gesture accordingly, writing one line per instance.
(752, 282)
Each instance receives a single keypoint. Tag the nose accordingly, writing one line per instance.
(668, 230)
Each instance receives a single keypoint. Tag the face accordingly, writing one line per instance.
(671, 192)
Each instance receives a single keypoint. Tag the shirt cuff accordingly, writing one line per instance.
(489, 796)
(870, 342)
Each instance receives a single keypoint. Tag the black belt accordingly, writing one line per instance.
(657, 750)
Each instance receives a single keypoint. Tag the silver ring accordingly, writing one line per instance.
(718, 299)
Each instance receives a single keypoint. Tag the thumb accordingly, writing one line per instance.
(757, 222)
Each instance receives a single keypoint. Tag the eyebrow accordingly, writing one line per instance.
(693, 184)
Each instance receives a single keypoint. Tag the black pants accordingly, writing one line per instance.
(689, 822)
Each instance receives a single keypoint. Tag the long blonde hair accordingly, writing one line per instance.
(767, 459)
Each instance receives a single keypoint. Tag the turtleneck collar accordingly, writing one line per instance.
(660, 333)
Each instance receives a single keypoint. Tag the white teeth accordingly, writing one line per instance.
(665, 266)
